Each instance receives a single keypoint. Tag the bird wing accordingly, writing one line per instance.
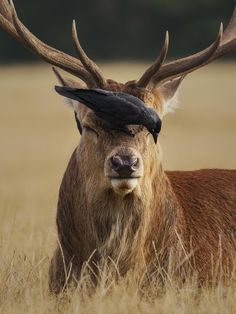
(110, 105)
(121, 109)
(118, 108)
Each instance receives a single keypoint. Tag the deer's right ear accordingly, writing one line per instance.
(70, 102)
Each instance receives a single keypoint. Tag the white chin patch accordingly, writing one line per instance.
(124, 186)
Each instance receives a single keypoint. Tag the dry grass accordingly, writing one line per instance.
(37, 137)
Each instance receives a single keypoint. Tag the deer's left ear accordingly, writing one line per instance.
(169, 93)
(65, 81)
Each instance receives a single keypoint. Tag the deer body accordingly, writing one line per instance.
(115, 200)
(198, 206)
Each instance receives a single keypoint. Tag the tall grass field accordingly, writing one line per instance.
(37, 136)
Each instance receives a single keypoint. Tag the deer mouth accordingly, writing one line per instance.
(123, 177)
(124, 185)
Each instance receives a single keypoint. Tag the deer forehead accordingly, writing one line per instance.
(90, 119)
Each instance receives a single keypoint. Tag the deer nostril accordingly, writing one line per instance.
(117, 162)
(133, 161)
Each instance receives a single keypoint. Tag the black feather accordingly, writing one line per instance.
(117, 109)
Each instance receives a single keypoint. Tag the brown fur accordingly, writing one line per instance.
(169, 215)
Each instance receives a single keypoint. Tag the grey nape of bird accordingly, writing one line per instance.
(117, 109)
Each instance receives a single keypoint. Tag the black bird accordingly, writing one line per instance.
(117, 109)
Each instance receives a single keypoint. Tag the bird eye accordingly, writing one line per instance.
(90, 130)
(158, 127)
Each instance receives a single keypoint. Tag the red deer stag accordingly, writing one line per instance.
(141, 217)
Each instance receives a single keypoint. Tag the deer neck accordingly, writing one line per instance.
(123, 228)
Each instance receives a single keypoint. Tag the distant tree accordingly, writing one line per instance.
(115, 29)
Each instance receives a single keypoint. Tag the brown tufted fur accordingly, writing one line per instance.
(170, 217)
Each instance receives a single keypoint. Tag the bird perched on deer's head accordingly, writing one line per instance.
(118, 109)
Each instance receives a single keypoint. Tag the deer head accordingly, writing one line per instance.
(121, 163)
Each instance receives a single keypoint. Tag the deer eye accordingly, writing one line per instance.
(90, 130)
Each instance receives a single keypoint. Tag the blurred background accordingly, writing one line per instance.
(120, 29)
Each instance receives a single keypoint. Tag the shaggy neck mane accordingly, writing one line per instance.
(126, 230)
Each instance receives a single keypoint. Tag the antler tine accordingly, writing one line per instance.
(10, 22)
(225, 43)
(6, 19)
(228, 43)
(5, 9)
(148, 74)
(86, 61)
(188, 64)
(64, 81)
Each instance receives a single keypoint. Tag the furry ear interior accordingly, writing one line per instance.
(169, 92)
(64, 81)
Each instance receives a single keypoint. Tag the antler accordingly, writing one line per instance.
(86, 61)
(225, 43)
(148, 74)
(10, 22)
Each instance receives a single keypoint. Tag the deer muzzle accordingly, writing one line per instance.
(124, 168)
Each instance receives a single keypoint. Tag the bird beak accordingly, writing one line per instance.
(155, 136)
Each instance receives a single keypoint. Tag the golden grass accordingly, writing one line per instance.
(37, 137)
